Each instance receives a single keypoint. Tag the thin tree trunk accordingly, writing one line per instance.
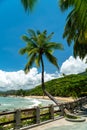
(43, 85)
(51, 97)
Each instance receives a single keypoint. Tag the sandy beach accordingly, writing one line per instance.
(64, 99)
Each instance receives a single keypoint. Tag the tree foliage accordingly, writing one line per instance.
(72, 85)
(29, 4)
(76, 25)
(39, 44)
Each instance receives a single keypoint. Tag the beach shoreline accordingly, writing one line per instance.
(64, 99)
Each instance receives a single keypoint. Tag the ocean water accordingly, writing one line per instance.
(11, 103)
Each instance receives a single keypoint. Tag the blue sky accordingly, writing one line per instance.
(14, 22)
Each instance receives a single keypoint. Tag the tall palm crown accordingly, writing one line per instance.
(39, 44)
(76, 25)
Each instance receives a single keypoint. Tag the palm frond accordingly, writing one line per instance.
(65, 4)
(22, 51)
(31, 33)
(49, 37)
(80, 49)
(52, 59)
(25, 38)
(38, 32)
(30, 41)
(54, 45)
(29, 4)
(30, 63)
(37, 60)
(33, 51)
(76, 25)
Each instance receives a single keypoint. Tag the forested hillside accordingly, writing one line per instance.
(71, 85)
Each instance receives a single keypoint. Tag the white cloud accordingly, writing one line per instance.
(73, 66)
(20, 80)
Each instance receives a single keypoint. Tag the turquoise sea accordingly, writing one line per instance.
(11, 103)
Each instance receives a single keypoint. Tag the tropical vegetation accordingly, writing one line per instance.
(68, 86)
(76, 25)
(38, 46)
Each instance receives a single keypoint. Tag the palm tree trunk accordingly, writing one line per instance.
(43, 85)
(51, 97)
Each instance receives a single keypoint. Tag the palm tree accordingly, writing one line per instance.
(39, 45)
(76, 25)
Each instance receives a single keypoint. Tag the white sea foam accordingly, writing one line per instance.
(6, 104)
(11, 103)
(35, 102)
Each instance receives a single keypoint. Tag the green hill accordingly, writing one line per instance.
(71, 85)
(84, 73)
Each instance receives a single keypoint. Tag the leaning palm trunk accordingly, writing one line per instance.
(51, 97)
(43, 85)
